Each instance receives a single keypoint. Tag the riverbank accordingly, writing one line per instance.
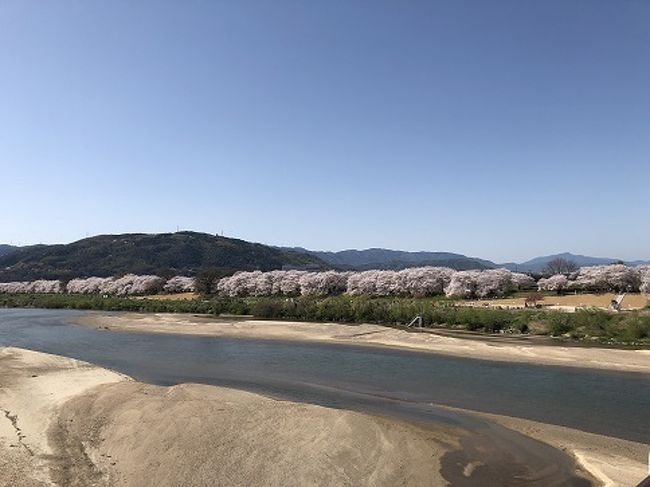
(71, 423)
(585, 326)
(511, 349)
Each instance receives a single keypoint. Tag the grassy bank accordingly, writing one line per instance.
(629, 327)
(96, 302)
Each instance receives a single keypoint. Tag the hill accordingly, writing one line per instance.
(395, 259)
(7, 249)
(163, 254)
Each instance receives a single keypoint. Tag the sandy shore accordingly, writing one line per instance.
(70, 423)
(510, 350)
(33, 386)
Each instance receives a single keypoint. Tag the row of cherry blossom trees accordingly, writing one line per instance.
(34, 287)
(122, 286)
(414, 282)
(615, 277)
(129, 284)
(488, 283)
(286, 283)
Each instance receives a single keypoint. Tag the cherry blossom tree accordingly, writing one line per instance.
(323, 283)
(14, 287)
(615, 277)
(463, 284)
(644, 279)
(523, 281)
(126, 285)
(180, 284)
(40, 286)
(88, 285)
(424, 281)
(557, 283)
(44, 287)
(370, 283)
(482, 284)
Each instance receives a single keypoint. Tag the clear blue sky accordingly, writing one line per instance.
(501, 129)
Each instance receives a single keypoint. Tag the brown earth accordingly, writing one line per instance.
(569, 301)
(171, 297)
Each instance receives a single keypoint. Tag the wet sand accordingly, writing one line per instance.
(612, 461)
(33, 386)
(513, 349)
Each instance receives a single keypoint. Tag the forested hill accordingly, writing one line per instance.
(183, 253)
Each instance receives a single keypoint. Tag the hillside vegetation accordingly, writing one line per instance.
(167, 254)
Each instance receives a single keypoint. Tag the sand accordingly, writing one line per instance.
(511, 349)
(70, 423)
(568, 302)
(32, 387)
(171, 297)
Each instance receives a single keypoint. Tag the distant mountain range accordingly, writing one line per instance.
(537, 264)
(395, 259)
(190, 252)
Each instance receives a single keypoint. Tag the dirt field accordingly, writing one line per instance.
(630, 302)
(172, 297)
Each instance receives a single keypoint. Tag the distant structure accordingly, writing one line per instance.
(416, 322)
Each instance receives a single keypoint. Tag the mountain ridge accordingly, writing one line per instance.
(380, 258)
(397, 259)
(164, 254)
(190, 252)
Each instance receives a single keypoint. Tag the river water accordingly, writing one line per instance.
(386, 381)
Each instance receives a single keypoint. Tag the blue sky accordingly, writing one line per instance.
(501, 129)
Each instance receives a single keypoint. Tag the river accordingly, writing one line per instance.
(387, 381)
